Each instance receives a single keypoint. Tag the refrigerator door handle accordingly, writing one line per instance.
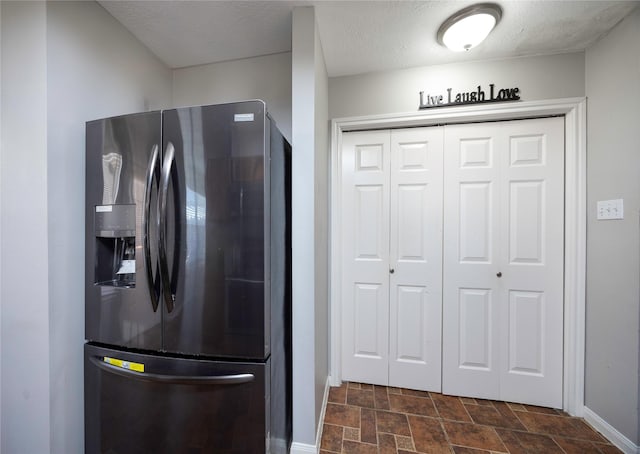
(234, 379)
(169, 157)
(152, 172)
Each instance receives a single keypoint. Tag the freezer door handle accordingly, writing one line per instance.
(152, 173)
(169, 157)
(233, 379)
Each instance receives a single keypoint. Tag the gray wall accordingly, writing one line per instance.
(24, 299)
(310, 168)
(64, 63)
(613, 247)
(95, 69)
(321, 224)
(544, 77)
(267, 78)
(0, 227)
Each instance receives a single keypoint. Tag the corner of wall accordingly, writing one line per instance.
(310, 203)
(1, 151)
(612, 384)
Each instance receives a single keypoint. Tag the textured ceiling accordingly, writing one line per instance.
(359, 36)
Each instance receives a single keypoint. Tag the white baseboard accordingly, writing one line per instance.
(610, 433)
(304, 448)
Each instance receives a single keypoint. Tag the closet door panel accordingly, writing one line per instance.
(470, 295)
(415, 262)
(504, 193)
(533, 255)
(365, 246)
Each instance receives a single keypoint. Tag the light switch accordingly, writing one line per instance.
(610, 209)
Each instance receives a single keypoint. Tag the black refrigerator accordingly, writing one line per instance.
(188, 282)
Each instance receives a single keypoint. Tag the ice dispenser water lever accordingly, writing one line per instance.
(115, 230)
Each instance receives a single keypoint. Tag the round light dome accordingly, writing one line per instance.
(469, 27)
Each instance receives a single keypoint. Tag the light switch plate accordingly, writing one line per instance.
(610, 209)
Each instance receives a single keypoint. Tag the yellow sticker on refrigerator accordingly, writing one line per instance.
(130, 365)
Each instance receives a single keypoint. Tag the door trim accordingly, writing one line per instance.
(574, 111)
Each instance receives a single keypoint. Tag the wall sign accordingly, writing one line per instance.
(479, 96)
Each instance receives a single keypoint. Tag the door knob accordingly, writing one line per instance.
(391, 270)
(499, 274)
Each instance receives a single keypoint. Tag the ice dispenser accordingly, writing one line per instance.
(115, 231)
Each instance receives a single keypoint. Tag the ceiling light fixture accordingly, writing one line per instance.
(469, 27)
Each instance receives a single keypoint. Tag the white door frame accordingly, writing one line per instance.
(574, 110)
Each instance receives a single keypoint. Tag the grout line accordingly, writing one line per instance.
(413, 441)
(446, 435)
(375, 421)
(473, 421)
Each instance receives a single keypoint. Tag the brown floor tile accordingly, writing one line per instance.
(558, 425)
(405, 443)
(464, 450)
(543, 410)
(354, 447)
(484, 402)
(413, 392)
(428, 435)
(525, 442)
(473, 436)
(450, 407)
(342, 415)
(572, 446)
(386, 444)
(394, 423)
(518, 407)
(351, 434)
(338, 394)
(360, 397)
(381, 397)
(608, 449)
(504, 409)
(368, 419)
(332, 438)
(414, 405)
(368, 431)
(498, 416)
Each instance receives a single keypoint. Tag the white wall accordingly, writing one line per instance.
(267, 78)
(23, 251)
(64, 63)
(310, 133)
(544, 77)
(322, 222)
(613, 247)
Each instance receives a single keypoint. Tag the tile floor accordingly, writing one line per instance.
(363, 419)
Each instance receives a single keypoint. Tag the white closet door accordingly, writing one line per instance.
(533, 253)
(392, 257)
(415, 285)
(503, 256)
(470, 314)
(365, 262)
